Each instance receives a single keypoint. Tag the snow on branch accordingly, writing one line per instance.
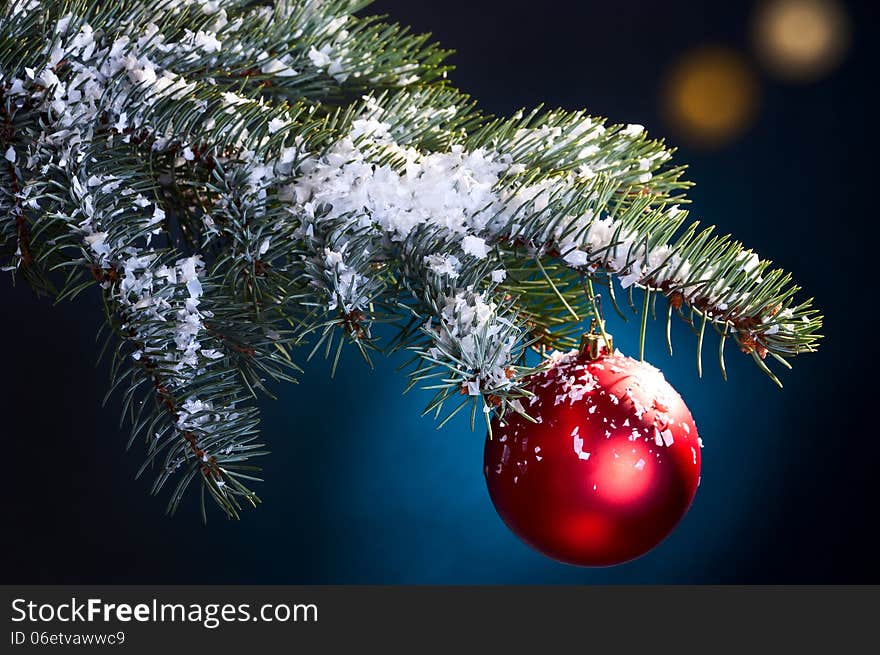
(242, 179)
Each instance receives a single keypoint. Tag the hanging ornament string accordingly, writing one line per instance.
(590, 341)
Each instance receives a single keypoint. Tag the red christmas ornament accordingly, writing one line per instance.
(609, 469)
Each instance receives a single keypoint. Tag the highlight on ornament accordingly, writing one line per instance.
(247, 185)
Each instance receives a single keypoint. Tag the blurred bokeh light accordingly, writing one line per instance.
(800, 40)
(710, 97)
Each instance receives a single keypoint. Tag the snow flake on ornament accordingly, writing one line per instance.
(578, 444)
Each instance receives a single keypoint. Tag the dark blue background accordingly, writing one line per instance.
(361, 490)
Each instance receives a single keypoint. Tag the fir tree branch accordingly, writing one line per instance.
(247, 178)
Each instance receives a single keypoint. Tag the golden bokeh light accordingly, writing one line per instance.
(801, 40)
(710, 97)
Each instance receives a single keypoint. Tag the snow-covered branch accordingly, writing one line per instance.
(244, 179)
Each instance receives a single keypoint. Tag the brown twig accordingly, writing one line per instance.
(166, 398)
(7, 134)
(236, 346)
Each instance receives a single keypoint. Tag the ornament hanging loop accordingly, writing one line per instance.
(596, 343)
(597, 340)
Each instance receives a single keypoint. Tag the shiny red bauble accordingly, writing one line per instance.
(608, 470)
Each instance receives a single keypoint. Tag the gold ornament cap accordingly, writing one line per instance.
(594, 342)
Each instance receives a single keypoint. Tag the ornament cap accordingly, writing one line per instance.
(596, 342)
